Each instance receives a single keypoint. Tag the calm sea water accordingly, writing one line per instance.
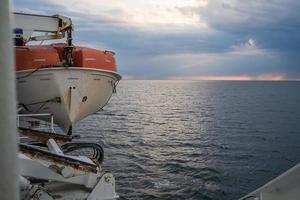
(197, 139)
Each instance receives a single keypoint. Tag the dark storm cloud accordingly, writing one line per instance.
(274, 24)
(254, 15)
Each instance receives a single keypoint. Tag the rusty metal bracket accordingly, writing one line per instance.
(43, 137)
(37, 153)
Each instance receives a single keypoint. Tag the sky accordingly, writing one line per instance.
(187, 39)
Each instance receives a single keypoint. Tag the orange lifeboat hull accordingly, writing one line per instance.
(45, 56)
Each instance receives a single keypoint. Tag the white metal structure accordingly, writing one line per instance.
(53, 27)
(61, 180)
(284, 187)
(9, 189)
(51, 128)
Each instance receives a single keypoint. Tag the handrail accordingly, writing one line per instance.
(38, 115)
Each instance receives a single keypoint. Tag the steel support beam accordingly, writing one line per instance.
(9, 185)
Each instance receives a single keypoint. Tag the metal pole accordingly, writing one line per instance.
(9, 185)
(52, 121)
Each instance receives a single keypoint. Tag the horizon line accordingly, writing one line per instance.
(141, 79)
(260, 77)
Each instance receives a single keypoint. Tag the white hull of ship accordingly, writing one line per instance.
(70, 94)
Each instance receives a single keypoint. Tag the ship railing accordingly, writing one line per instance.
(38, 126)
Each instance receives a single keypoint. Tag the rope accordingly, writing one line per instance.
(25, 106)
(114, 85)
(32, 72)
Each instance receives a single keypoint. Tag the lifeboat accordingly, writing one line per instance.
(45, 84)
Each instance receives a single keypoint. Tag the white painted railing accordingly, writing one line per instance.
(38, 115)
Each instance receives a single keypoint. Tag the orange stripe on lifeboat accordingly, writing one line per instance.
(45, 56)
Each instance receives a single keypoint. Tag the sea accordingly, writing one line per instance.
(201, 140)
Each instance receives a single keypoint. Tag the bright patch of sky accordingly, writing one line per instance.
(139, 13)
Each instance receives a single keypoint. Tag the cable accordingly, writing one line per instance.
(98, 152)
(32, 72)
(25, 106)
(249, 197)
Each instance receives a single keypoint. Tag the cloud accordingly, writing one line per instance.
(174, 38)
(275, 24)
(249, 48)
(139, 14)
(254, 15)
(248, 45)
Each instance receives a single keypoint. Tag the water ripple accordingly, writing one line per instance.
(201, 140)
